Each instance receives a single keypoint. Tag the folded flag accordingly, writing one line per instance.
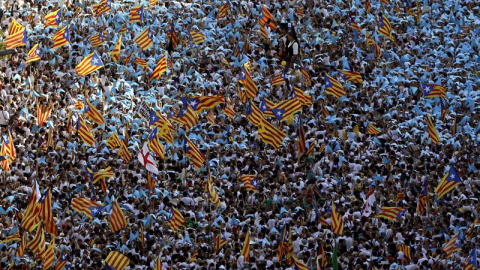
(89, 64)
(124, 153)
(103, 174)
(113, 141)
(13, 237)
(432, 132)
(49, 255)
(15, 27)
(246, 248)
(211, 192)
(37, 244)
(188, 117)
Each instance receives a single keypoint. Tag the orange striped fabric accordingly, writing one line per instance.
(117, 218)
(144, 39)
(115, 53)
(160, 68)
(176, 219)
(43, 113)
(432, 132)
(337, 221)
(37, 245)
(269, 134)
(117, 260)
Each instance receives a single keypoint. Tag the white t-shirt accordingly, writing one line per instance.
(4, 116)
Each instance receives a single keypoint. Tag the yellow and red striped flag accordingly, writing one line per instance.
(160, 68)
(306, 76)
(176, 219)
(124, 153)
(46, 213)
(140, 62)
(371, 43)
(302, 146)
(61, 38)
(92, 113)
(49, 255)
(352, 76)
(89, 208)
(43, 113)
(299, 264)
(385, 28)
(278, 79)
(452, 245)
(113, 141)
(9, 148)
(21, 249)
(229, 110)
(37, 245)
(17, 36)
(223, 10)
(152, 3)
(391, 213)
(406, 250)
(192, 151)
(250, 182)
(154, 143)
(84, 132)
(372, 130)
(116, 260)
(102, 7)
(219, 242)
(89, 64)
(300, 12)
(197, 37)
(115, 53)
(432, 132)
(103, 174)
(269, 134)
(263, 32)
(302, 97)
(246, 248)
(144, 39)
(15, 27)
(173, 36)
(13, 237)
(211, 117)
(166, 133)
(34, 54)
(211, 192)
(333, 87)
(267, 19)
(97, 39)
(158, 264)
(254, 115)
(251, 88)
(122, 30)
(31, 216)
(187, 116)
(136, 14)
(355, 26)
(337, 221)
(287, 108)
(117, 218)
(151, 183)
(450, 181)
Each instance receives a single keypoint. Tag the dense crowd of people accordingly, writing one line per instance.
(368, 149)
